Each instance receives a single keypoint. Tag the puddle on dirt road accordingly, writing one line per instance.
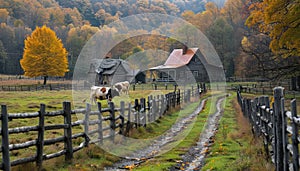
(160, 144)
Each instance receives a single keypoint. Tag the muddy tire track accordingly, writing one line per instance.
(194, 158)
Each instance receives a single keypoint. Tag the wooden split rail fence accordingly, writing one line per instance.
(278, 127)
(85, 86)
(104, 123)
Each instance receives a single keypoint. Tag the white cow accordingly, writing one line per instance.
(102, 93)
(123, 87)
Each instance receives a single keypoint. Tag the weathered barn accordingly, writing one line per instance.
(109, 71)
(184, 65)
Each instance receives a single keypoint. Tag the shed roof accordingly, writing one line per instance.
(109, 66)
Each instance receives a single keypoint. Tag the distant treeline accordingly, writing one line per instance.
(244, 52)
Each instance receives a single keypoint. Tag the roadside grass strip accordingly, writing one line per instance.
(234, 146)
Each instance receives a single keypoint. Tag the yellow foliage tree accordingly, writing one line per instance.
(280, 20)
(44, 54)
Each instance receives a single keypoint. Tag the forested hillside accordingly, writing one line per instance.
(75, 21)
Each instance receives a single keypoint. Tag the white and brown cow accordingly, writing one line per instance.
(102, 93)
(123, 87)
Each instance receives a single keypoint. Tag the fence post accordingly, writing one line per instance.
(157, 106)
(274, 141)
(112, 120)
(154, 109)
(68, 131)
(143, 111)
(167, 102)
(261, 112)
(278, 94)
(137, 113)
(284, 138)
(250, 111)
(100, 129)
(122, 111)
(268, 115)
(162, 106)
(5, 141)
(40, 139)
(178, 97)
(295, 141)
(150, 107)
(87, 119)
(265, 102)
(128, 125)
(170, 100)
(238, 97)
(174, 99)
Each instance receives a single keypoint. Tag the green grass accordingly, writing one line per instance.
(26, 102)
(234, 147)
(20, 102)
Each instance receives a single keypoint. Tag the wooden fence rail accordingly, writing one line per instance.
(104, 123)
(278, 127)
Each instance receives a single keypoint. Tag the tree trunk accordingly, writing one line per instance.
(45, 80)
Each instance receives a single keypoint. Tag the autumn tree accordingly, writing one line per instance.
(3, 15)
(44, 54)
(76, 39)
(280, 20)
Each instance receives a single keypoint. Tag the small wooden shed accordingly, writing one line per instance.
(109, 71)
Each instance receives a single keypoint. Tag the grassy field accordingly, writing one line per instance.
(29, 101)
(14, 80)
(26, 102)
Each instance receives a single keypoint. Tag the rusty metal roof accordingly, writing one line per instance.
(166, 67)
(177, 59)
